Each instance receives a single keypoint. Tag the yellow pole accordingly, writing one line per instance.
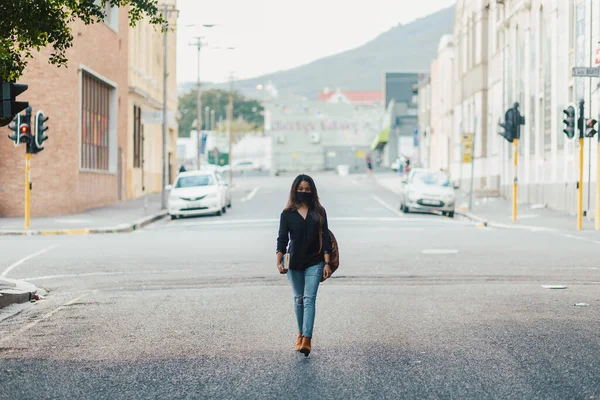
(27, 189)
(580, 188)
(597, 224)
(515, 189)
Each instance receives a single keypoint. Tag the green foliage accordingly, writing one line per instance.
(249, 110)
(29, 25)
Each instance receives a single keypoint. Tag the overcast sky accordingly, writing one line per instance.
(273, 35)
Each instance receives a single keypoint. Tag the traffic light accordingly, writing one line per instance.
(39, 138)
(590, 127)
(512, 123)
(9, 106)
(569, 122)
(509, 126)
(16, 136)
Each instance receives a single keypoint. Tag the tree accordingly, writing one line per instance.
(28, 25)
(251, 111)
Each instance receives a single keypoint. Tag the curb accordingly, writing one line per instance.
(13, 291)
(123, 228)
(473, 217)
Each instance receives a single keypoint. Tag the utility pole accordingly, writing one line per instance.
(212, 120)
(167, 10)
(198, 43)
(229, 133)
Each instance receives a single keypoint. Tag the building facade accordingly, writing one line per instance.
(522, 51)
(315, 136)
(145, 137)
(83, 164)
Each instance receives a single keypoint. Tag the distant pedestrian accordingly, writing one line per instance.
(303, 226)
(369, 161)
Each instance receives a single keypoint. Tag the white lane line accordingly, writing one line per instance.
(567, 235)
(386, 205)
(271, 221)
(29, 257)
(28, 327)
(38, 278)
(250, 195)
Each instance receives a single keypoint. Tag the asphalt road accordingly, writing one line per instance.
(422, 307)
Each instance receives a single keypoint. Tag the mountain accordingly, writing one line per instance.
(409, 48)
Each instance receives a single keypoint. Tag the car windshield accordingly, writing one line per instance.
(195, 180)
(431, 179)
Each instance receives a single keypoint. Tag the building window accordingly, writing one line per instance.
(137, 137)
(111, 17)
(95, 123)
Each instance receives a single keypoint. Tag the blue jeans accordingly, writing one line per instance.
(305, 285)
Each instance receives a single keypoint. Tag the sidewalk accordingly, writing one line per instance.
(126, 216)
(497, 212)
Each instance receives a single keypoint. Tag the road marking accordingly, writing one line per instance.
(38, 278)
(28, 327)
(334, 219)
(250, 195)
(29, 257)
(386, 205)
(439, 251)
(567, 235)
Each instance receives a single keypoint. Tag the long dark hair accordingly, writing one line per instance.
(315, 208)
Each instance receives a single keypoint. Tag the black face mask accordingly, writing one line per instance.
(304, 197)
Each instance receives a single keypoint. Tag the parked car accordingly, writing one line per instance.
(425, 190)
(198, 193)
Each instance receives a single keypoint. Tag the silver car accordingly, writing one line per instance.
(425, 190)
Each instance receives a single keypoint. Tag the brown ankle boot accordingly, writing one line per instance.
(306, 347)
(299, 342)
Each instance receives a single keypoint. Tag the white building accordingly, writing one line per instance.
(521, 51)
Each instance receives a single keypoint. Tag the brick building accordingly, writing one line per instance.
(84, 164)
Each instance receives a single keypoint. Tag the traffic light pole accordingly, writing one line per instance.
(515, 191)
(27, 188)
(580, 125)
(597, 223)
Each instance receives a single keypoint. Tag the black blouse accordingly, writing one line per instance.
(304, 236)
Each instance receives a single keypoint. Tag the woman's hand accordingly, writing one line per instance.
(327, 272)
(282, 270)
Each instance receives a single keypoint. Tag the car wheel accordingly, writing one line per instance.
(451, 214)
(173, 217)
(224, 210)
(406, 209)
(229, 205)
(219, 213)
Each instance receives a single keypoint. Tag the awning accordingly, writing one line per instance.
(381, 139)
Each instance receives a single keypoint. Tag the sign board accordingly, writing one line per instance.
(466, 140)
(360, 154)
(593, 72)
(155, 117)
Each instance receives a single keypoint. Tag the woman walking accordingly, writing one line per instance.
(303, 225)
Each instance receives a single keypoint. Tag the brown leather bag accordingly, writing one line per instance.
(334, 256)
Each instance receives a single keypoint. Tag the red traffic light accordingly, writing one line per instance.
(591, 123)
(24, 129)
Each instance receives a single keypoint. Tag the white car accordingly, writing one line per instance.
(425, 190)
(198, 193)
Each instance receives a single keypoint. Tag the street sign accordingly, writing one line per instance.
(593, 72)
(466, 140)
